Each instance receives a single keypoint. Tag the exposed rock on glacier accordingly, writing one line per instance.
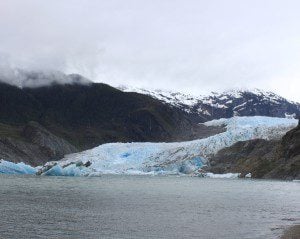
(71, 169)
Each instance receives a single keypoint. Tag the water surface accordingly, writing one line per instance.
(145, 207)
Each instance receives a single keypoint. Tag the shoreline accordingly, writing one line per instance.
(292, 232)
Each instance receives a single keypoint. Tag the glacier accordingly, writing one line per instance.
(7, 167)
(168, 158)
(159, 158)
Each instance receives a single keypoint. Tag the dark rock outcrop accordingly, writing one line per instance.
(263, 159)
(16, 151)
(247, 103)
(51, 145)
(35, 146)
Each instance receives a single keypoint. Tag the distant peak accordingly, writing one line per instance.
(225, 104)
(235, 93)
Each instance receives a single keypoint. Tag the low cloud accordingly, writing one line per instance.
(194, 46)
(32, 79)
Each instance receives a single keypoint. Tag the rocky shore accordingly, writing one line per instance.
(291, 233)
(279, 159)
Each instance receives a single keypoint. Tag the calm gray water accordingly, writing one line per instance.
(145, 207)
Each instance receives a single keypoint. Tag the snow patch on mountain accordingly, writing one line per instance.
(240, 102)
(177, 99)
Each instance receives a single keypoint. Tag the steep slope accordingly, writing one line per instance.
(225, 104)
(31, 144)
(97, 113)
(85, 116)
(263, 159)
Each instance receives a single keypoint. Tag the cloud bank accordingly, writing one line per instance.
(25, 78)
(194, 46)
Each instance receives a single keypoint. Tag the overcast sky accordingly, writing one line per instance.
(193, 46)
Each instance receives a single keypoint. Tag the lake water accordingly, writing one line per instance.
(145, 207)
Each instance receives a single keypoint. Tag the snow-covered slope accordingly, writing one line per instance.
(168, 158)
(177, 99)
(225, 104)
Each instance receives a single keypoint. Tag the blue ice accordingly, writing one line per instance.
(7, 167)
(70, 170)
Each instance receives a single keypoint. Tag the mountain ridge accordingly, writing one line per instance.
(237, 102)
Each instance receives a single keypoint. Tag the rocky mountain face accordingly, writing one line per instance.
(261, 158)
(225, 104)
(71, 117)
(32, 144)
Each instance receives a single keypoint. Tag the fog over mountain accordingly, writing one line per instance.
(192, 46)
(32, 79)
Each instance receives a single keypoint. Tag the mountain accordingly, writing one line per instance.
(85, 116)
(45, 115)
(225, 104)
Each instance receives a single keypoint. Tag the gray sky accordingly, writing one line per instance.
(193, 46)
